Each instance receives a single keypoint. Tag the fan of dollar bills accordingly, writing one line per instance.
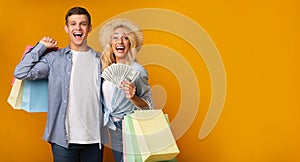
(116, 73)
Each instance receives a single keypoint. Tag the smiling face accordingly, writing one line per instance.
(120, 43)
(78, 28)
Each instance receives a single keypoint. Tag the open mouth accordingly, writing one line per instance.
(120, 49)
(77, 35)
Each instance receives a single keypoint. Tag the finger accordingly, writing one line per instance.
(44, 39)
(48, 39)
(124, 84)
(54, 42)
(124, 87)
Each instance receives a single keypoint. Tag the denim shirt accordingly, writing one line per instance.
(56, 66)
(120, 105)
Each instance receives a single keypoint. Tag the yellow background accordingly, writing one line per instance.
(258, 42)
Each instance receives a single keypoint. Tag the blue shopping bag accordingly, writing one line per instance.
(35, 96)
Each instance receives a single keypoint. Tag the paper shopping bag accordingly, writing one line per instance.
(130, 147)
(35, 96)
(154, 139)
(16, 93)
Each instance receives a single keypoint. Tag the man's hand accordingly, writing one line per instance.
(48, 42)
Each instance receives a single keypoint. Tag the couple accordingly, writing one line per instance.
(83, 108)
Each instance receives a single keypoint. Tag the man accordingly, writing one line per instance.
(75, 117)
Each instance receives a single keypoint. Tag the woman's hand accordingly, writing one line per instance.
(128, 88)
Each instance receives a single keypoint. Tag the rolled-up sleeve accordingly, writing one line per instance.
(143, 87)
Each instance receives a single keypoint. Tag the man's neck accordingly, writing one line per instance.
(79, 48)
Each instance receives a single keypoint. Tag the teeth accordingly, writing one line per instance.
(78, 34)
(120, 48)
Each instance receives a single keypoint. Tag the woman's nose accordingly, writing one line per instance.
(120, 40)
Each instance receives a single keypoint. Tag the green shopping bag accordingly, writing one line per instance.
(147, 137)
(130, 148)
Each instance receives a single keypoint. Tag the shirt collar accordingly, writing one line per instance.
(68, 51)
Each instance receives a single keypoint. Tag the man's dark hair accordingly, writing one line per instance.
(78, 11)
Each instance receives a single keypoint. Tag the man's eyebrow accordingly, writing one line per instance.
(79, 22)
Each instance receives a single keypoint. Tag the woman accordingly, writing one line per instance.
(121, 40)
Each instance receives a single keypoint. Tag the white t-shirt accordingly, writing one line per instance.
(82, 120)
(108, 89)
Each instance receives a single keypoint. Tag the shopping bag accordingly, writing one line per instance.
(150, 137)
(16, 93)
(35, 96)
(130, 148)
